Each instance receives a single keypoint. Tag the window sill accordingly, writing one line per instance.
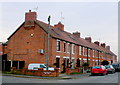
(58, 51)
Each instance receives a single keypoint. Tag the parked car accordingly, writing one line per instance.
(116, 66)
(110, 69)
(35, 66)
(100, 69)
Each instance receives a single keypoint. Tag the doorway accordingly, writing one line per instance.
(65, 64)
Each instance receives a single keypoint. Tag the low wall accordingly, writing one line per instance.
(39, 72)
(69, 70)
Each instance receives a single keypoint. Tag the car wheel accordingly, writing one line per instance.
(103, 74)
(92, 74)
(111, 72)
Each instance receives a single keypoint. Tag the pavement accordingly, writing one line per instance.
(61, 76)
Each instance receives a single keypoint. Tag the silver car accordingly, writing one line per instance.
(110, 69)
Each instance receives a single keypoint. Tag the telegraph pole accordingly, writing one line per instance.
(48, 44)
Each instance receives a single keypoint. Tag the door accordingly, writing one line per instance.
(78, 63)
(57, 62)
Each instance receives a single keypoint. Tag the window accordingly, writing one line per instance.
(88, 52)
(73, 48)
(93, 53)
(64, 47)
(80, 50)
(57, 62)
(83, 51)
(68, 47)
(58, 45)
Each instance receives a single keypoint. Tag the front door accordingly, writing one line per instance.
(57, 62)
(65, 64)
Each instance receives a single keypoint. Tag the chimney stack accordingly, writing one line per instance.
(30, 16)
(77, 34)
(88, 39)
(108, 47)
(97, 43)
(103, 45)
(60, 26)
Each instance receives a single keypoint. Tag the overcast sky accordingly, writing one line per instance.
(98, 20)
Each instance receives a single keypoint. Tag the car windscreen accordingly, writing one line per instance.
(107, 66)
(96, 67)
(42, 66)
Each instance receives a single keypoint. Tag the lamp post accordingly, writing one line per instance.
(48, 44)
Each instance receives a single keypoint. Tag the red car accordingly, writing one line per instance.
(100, 69)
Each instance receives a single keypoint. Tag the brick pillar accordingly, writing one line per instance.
(68, 71)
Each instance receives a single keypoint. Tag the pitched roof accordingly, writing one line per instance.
(66, 36)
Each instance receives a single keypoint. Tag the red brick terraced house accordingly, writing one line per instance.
(1, 49)
(29, 44)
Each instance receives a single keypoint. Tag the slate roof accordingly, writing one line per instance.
(68, 37)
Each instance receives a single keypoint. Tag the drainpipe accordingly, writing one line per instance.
(18, 65)
(98, 58)
(70, 55)
(87, 54)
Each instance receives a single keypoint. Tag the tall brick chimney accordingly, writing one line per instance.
(77, 34)
(88, 39)
(103, 45)
(60, 26)
(108, 47)
(30, 16)
(97, 43)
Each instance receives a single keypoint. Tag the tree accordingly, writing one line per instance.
(85, 65)
(105, 62)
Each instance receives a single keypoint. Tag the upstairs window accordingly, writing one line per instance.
(80, 50)
(58, 45)
(83, 51)
(64, 47)
(93, 53)
(73, 48)
(88, 52)
(68, 47)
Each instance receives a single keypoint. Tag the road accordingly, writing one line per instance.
(110, 78)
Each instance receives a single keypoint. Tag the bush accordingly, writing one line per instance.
(85, 65)
(75, 73)
(105, 62)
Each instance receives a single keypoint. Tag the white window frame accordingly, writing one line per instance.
(73, 48)
(65, 47)
(57, 46)
(83, 50)
(68, 48)
(88, 52)
(80, 50)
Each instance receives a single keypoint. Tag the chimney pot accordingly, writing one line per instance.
(29, 10)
